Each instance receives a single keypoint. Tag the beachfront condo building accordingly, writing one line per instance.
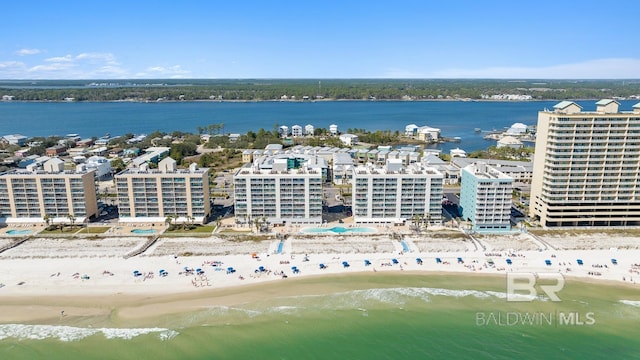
(279, 190)
(48, 195)
(485, 198)
(586, 166)
(153, 195)
(395, 193)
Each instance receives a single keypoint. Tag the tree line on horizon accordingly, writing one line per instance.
(331, 89)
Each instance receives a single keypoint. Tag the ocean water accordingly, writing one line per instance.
(454, 118)
(373, 316)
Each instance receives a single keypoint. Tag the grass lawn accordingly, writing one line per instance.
(204, 229)
(55, 229)
(94, 230)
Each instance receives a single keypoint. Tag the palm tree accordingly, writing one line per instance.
(188, 222)
(47, 219)
(257, 222)
(168, 220)
(72, 219)
(218, 221)
(417, 220)
(426, 219)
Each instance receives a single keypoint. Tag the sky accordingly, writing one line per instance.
(221, 39)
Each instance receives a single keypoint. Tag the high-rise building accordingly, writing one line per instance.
(279, 190)
(586, 169)
(395, 193)
(152, 195)
(52, 194)
(485, 198)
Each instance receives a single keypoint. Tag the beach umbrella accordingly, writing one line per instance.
(395, 261)
(438, 260)
(509, 261)
(367, 263)
(322, 266)
(419, 261)
(579, 261)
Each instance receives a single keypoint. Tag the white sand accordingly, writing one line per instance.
(55, 267)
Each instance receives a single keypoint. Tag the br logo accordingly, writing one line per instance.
(522, 286)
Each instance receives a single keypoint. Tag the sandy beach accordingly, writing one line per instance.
(43, 277)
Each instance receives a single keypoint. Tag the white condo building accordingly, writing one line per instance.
(586, 166)
(395, 193)
(288, 191)
(30, 196)
(152, 195)
(485, 198)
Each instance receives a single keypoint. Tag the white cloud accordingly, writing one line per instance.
(12, 70)
(66, 58)
(174, 72)
(11, 64)
(615, 68)
(26, 52)
(70, 66)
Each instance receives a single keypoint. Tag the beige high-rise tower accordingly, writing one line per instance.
(586, 169)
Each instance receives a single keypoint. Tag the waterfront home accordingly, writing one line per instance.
(349, 139)
(15, 139)
(57, 150)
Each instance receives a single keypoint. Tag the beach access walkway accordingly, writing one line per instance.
(142, 248)
(13, 244)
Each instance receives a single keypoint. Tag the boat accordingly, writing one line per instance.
(477, 129)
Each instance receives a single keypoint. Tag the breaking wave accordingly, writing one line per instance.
(69, 333)
(635, 303)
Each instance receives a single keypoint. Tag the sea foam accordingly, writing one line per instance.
(69, 333)
(361, 299)
(635, 303)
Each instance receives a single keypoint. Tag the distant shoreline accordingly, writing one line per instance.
(292, 101)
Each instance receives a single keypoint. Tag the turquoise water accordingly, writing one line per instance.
(143, 231)
(18, 232)
(338, 230)
(454, 118)
(358, 317)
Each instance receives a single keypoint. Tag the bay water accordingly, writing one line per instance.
(454, 118)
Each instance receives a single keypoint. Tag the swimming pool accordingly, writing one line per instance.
(143, 231)
(338, 230)
(18, 232)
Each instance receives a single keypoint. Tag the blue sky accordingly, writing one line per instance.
(318, 39)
